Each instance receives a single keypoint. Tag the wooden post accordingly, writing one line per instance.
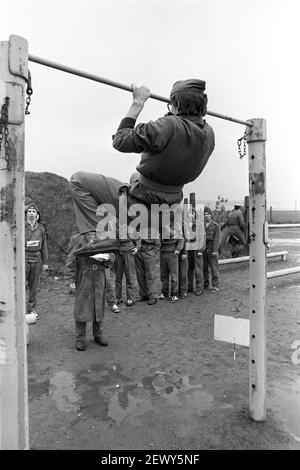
(13, 353)
(256, 139)
(193, 200)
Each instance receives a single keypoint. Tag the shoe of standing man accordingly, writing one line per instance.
(101, 340)
(80, 345)
(152, 300)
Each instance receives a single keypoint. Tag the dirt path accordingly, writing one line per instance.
(164, 382)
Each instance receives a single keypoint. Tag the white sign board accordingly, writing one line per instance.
(231, 330)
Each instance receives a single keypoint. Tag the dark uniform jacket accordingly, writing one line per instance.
(172, 244)
(175, 149)
(212, 236)
(35, 244)
(235, 217)
(197, 242)
(148, 244)
(90, 281)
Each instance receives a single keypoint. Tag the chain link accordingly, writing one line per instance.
(4, 126)
(239, 144)
(29, 92)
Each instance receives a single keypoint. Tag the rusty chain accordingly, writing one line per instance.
(29, 92)
(243, 152)
(4, 115)
(239, 143)
(4, 125)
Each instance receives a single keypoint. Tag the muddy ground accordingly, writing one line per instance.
(164, 382)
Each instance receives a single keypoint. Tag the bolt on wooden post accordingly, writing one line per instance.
(258, 230)
(13, 352)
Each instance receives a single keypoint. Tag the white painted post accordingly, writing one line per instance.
(13, 353)
(256, 139)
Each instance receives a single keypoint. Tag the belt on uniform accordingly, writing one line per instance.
(93, 267)
(163, 188)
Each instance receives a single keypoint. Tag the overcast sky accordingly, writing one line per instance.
(247, 52)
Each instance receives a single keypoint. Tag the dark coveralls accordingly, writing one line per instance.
(190, 259)
(145, 266)
(124, 264)
(195, 266)
(90, 281)
(36, 254)
(236, 226)
(110, 288)
(175, 150)
(169, 265)
(210, 260)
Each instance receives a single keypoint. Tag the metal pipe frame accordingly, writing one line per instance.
(241, 259)
(283, 272)
(270, 226)
(105, 81)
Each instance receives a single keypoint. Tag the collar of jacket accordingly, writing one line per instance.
(33, 227)
(195, 119)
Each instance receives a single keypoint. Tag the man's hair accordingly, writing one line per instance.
(207, 210)
(190, 103)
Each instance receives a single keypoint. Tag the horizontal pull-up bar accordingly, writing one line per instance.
(105, 81)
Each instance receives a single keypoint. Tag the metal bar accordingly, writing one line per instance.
(283, 272)
(258, 279)
(283, 225)
(241, 259)
(106, 81)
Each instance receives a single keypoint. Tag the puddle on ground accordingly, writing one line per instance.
(106, 393)
(124, 404)
(62, 389)
(138, 399)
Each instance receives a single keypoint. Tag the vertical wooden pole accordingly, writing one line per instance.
(13, 353)
(257, 306)
(193, 200)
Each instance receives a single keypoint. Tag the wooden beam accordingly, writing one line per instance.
(256, 139)
(13, 353)
(241, 259)
(283, 272)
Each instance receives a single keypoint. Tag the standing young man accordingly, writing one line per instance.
(36, 254)
(174, 151)
(194, 249)
(145, 266)
(124, 265)
(210, 254)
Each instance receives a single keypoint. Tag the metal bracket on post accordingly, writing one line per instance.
(256, 138)
(17, 52)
